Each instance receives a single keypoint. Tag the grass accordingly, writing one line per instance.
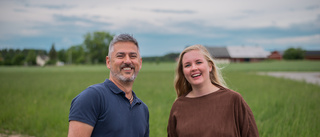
(36, 101)
(281, 107)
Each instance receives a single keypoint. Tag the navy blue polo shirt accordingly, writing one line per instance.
(105, 107)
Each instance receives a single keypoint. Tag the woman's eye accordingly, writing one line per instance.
(199, 62)
(186, 66)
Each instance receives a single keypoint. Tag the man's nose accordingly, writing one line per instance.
(127, 59)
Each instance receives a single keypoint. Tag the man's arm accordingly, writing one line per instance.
(79, 129)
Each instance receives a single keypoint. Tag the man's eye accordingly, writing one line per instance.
(120, 56)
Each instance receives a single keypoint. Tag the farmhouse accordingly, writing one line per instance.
(312, 55)
(239, 53)
(42, 60)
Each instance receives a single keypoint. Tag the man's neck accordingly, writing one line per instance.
(124, 86)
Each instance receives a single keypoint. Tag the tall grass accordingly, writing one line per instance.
(281, 107)
(36, 101)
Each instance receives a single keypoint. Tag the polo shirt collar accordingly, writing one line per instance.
(116, 90)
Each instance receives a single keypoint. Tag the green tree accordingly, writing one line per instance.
(1, 59)
(8, 55)
(97, 45)
(31, 57)
(171, 57)
(294, 54)
(52, 55)
(18, 59)
(62, 55)
(76, 54)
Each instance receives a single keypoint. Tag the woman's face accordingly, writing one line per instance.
(195, 67)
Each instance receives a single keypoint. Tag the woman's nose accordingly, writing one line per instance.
(194, 67)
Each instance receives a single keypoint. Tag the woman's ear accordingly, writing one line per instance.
(210, 66)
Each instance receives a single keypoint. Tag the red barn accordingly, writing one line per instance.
(312, 55)
(275, 55)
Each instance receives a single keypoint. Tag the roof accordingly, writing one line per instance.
(238, 52)
(312, 53)
(43, 57)
(218, 52)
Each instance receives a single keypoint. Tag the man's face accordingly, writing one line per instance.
(124, 62)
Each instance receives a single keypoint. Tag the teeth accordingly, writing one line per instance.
(126, 68)
(195, 75)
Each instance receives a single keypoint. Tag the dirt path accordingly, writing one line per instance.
(309, 77)
(13, 135)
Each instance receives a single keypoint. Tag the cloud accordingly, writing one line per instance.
(56, 7)
(83, 21)
(161, 24)
(173, 11)
(299, 40)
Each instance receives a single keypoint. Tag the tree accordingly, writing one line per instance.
(52, 55)
(18, 59)
(62, 55)
(97, 46)
(76, 54)
(8, 55)
(294, 54)
(31, 57)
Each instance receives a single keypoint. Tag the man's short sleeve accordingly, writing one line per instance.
(86, 107)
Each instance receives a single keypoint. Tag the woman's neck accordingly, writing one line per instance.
(201, 90)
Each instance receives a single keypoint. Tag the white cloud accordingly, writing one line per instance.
(301, 40)
(226, 14)
(165, 17)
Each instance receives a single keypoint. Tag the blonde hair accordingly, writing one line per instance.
(181, 84)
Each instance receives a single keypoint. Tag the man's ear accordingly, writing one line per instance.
(108, 62)
(140, 63)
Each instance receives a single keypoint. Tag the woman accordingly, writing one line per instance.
(204, 106)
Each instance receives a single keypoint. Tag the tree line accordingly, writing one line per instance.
(93, 50)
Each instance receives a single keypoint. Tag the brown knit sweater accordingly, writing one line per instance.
(223, 113)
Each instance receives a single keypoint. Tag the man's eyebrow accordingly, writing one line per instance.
(125, 53)
(120, 53)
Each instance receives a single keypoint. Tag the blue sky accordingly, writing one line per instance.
(162, 26)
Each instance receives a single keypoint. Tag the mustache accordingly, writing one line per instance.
(125, 65)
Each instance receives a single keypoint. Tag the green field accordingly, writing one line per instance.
(36, 100)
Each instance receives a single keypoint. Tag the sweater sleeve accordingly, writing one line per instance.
(247, 124)
(171, 129)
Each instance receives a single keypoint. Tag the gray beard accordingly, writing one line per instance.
(122, 78)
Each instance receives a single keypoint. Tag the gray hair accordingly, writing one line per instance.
(122, 38)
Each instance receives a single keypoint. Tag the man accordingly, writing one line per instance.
(111, 109)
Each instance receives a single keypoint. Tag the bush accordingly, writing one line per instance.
(294, 54)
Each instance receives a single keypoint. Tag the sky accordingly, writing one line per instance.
(162, 26)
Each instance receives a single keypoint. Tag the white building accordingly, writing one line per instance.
(42, 60)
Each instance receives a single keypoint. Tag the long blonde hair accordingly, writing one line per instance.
(181, 84)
